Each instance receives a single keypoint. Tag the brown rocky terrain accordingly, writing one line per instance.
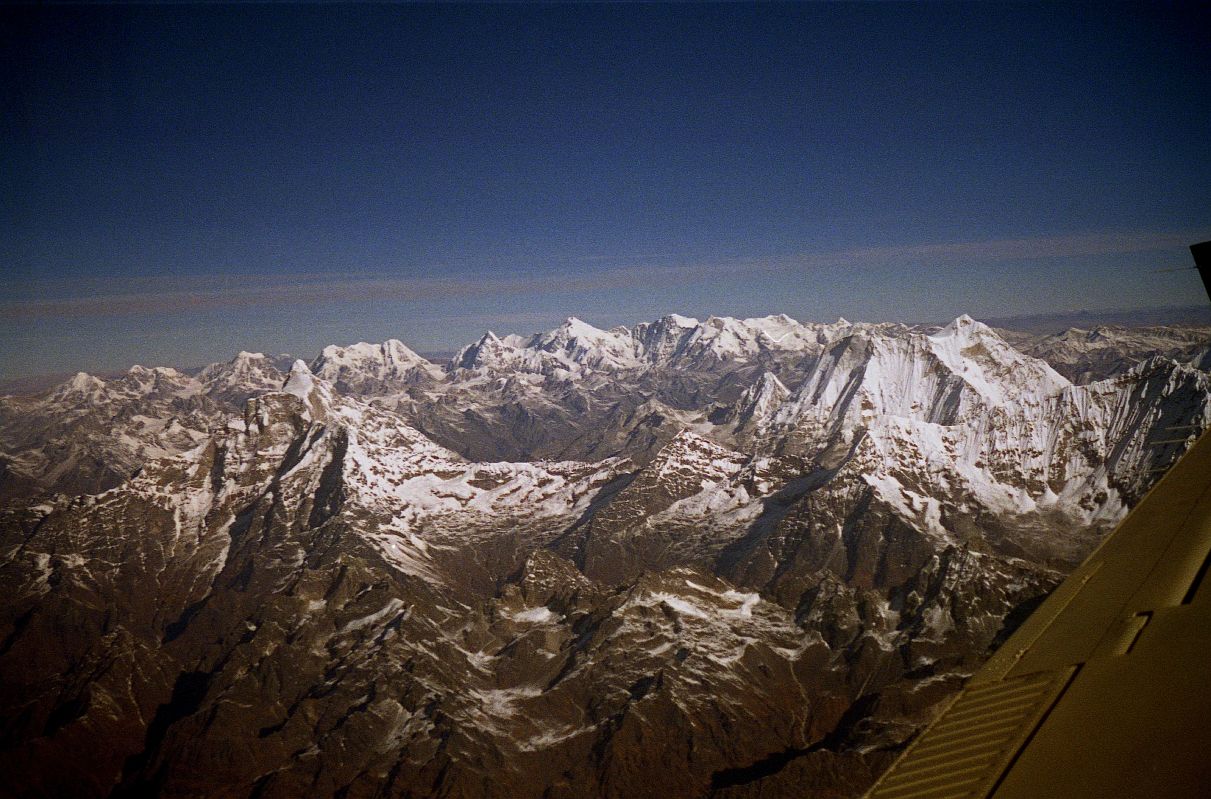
(756, 571)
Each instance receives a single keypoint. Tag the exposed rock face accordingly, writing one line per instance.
(753, 557)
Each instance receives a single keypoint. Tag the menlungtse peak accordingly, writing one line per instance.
(481, 352)
(243, 356)
(81, 388)
(572, 329)
(961, 321)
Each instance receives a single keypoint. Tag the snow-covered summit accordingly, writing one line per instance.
(373, 368)
(582, 392)
(672, 341)
(300, 382)
(80, 387)
(962, 372)
(989, 365)
(579, 344)
(485, 352)
(246, 374)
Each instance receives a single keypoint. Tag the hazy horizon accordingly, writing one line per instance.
(1027, 323)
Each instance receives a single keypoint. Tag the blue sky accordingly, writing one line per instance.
(182, 182)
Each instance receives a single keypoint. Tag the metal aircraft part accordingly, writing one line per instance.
(1202, 259)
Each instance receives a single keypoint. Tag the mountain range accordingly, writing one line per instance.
(722, 558)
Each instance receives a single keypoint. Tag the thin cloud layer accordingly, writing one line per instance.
(219, 292)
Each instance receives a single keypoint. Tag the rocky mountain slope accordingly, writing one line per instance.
(88, 434)
(1107, 350)
(727, 558)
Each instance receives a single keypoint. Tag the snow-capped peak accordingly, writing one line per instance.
(81, 381)
(373, 368)
(300, 382)
(244, 363)
(572, 329)
(80, 386)
(481, 352)
(246, 374)
(990, 365)
(963, 322)
(243, 356)
(578, 327)
(579, 344)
